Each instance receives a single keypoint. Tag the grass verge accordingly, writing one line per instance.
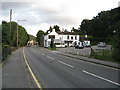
(105, 55)
(52, 48)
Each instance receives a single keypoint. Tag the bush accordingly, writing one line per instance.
(104, 55)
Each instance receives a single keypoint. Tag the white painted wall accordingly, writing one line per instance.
(61, 37)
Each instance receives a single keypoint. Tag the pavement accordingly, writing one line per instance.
(67, 52)
(14, 72)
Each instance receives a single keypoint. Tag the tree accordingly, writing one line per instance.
(50, 30)
(8, 37)
(74, 30)
(65, 30)
(56, 27)
(23, 36)
(116, 43)
(5, 33)
(102, 25)
(84, 27)
(40, 37)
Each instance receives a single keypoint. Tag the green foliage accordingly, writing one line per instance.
(116, 43)
(57, 28)
(76, 31)
(31, 37)
(23, 36)
(65, 30)
(50, 30)
(103, 55)
(40, 37)
(52, 45)
(52, 48)
(102, 25)
(10, 38)
(5, 33)
(102, 28)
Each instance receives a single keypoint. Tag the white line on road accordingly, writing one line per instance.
(101, 78)
(42, 53)
(66, 64)
(50, 57)
(29, 68)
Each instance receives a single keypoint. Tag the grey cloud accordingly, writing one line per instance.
(54, 16)
(44, 14)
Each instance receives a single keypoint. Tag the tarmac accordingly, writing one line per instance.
(96, 61)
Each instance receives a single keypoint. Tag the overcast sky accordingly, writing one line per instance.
(42, 14)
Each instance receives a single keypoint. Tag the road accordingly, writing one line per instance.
(56, 71)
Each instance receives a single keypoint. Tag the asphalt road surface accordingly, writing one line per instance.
(56, 71)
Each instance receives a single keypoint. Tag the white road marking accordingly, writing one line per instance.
(66, 64)
(101, 77)
(30, 70)
(42, 53)
(93, 63)
(50, 57)
(55, 51)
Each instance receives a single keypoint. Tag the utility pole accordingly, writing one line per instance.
(62, 35)
(10, 26)
(17, 30)
(17, 33)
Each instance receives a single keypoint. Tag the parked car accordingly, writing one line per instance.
(86, 43)
(58, 45)
(29, 45)
(79, 46)
(101, 44)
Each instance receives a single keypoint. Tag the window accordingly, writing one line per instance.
(51, 36)
(72, 37)
(68, 37)
(75, 37)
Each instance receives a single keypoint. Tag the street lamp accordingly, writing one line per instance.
(17, 30)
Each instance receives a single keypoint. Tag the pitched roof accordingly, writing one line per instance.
(68, 33)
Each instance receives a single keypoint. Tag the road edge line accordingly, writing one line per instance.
(31, 72)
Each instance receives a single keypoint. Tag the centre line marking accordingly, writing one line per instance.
(66, 64)
(50, 57)
(42, 53)
(101, 78)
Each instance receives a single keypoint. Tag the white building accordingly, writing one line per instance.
(61, 39)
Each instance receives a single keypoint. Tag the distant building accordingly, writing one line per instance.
(61, 39)
(31, 42)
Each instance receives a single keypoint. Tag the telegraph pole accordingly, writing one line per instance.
(18, 32)
(10, 26)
